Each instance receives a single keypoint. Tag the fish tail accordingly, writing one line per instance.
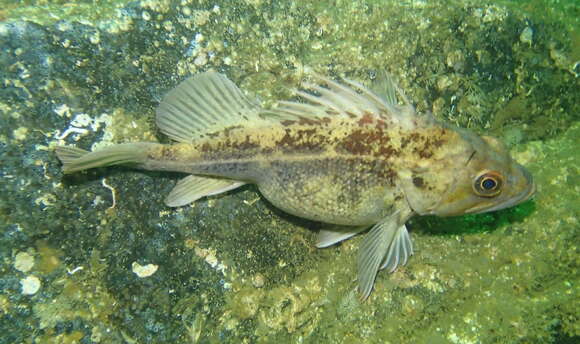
(76, 159)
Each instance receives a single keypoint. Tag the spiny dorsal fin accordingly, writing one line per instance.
(385, 87)
(203, 104)
(347, 99)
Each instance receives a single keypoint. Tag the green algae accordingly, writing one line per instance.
(47, 12)
(232, 268)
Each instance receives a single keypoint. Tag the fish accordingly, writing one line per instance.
(353, 157)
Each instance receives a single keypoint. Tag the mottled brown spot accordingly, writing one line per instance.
(355, 143)
(418, 182)
(387, 174)
(228, 130)
(350, 114)
(267, 150)
(368, 142)
(423, 153)
(387, 151)
(306, 121)
(246, 144)
(206, 147)
(168, 153)
(381, 124)
(301, 139)
(366, 118)
(228, 145)
(369, 118)
(430, 144)
(440, 140)
(410, 138)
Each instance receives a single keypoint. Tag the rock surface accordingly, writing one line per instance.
(232, 269)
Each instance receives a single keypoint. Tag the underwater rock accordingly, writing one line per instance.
(79, 74)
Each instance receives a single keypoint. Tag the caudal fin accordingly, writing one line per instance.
(76, 159)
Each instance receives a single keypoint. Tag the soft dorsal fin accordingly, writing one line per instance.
(335, 99)
(203, 104)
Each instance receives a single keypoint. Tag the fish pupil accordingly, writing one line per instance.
(488, 184)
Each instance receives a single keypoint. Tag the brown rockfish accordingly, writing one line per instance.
(343, 155)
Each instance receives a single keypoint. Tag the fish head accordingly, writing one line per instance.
(488, 180)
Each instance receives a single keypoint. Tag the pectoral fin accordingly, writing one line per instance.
(192, 188)
(399, 251)
(387, 245)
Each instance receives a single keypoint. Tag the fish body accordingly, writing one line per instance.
(345, 156)
(341, 171)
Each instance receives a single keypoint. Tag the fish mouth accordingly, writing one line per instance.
(520, 198)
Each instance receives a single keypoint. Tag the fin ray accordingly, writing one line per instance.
(399, 251)
(386, 246)
(329, 237)
(67, 154)
(372, 252)
(192, 188)
(329, 97)
(203, 104)
(76, 159)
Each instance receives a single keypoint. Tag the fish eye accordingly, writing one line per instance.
(488, 184)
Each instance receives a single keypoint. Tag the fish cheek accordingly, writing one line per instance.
(423, 191)
(445, 194)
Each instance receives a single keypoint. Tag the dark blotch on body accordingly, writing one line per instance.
(306, 121)
(167, 154)
(368, 142)
(418, 182)
(369, 119)
(302, 140)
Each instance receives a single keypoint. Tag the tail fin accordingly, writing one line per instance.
(76, 159)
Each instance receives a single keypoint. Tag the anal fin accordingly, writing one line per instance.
(192, 188)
